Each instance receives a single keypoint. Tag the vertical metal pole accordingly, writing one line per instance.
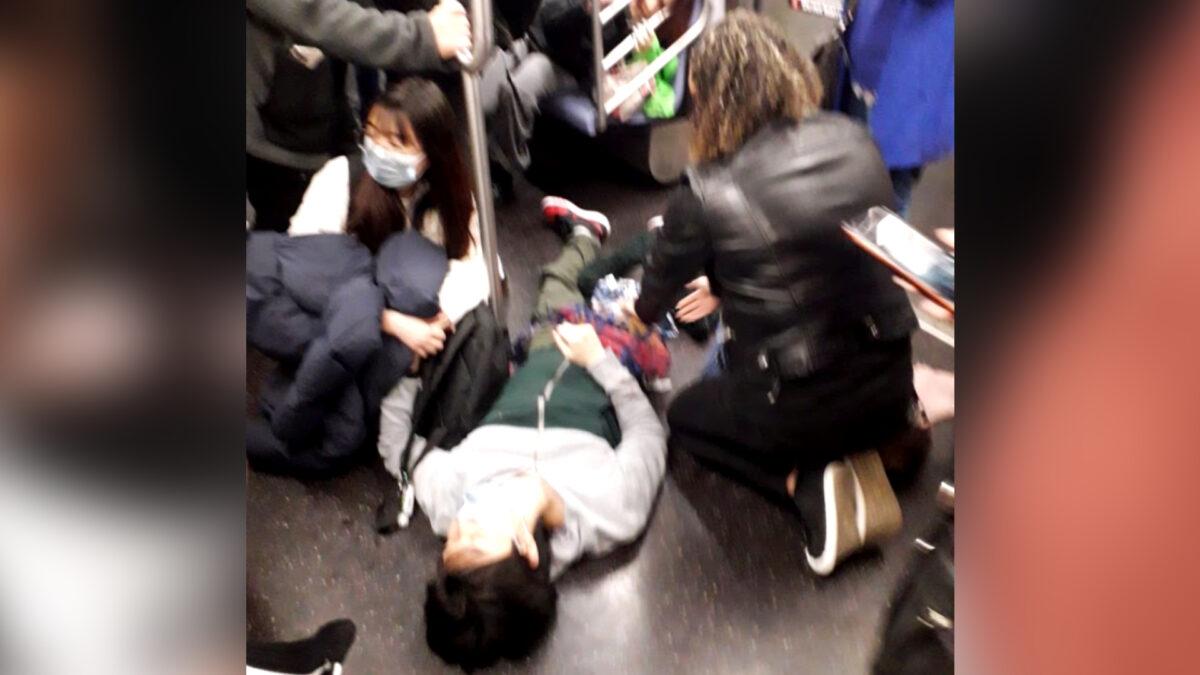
(598, 67)
(484, 208)
(481, 28)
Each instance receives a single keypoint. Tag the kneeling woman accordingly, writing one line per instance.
(818, 361)
(410, 173)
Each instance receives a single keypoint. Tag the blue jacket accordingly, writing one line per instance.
(313, 304)
(903, 52)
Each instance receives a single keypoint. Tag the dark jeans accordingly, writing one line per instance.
(903, 182)
(275, 192)
(730, 422)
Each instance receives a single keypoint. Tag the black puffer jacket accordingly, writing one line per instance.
(765, 225)
(314, 303)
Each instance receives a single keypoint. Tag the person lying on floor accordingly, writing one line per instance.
(567, 463)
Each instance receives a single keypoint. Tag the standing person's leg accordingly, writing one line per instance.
(275, 191)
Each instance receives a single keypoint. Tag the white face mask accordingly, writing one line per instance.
(392, 168)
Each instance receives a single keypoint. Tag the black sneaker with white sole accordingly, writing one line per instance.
(321, 654)
(826, 503)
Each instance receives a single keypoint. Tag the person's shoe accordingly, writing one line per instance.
(322, 653)
(877, 513)
(565, 215)
(826, 502)
(654, 223)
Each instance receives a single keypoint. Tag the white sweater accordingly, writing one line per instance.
(325, 208)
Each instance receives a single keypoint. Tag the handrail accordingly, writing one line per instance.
(481, 47)
(630, 42)
(684, 41)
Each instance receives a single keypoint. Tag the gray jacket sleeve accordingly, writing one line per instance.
(642, 454)
(388, 40)
(439, 486)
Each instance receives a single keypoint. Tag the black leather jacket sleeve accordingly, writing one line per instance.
(681, 253)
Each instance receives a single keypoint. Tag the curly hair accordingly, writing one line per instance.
(744, 75)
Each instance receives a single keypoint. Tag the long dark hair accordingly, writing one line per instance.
(376, 211)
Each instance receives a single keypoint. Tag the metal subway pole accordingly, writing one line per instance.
(598, 66)
(481, 29)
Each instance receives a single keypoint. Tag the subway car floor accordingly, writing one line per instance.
(717, 584)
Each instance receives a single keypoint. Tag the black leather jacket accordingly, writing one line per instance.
(765, 225)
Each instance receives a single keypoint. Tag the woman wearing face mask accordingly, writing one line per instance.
(392, 184)
(409, 172)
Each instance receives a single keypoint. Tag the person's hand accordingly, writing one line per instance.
(643, 37)
(451, 28)
(697, 304)
(442, 321)
(639, 10)
(425, 338)
(579, 343)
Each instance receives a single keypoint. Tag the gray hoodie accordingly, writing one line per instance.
(607, 492)
(340, 28)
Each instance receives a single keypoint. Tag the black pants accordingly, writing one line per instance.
(730, 422)
(275, 192)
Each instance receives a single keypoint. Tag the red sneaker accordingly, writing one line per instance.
(565, 215)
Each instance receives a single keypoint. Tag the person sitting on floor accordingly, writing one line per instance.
(567, 463)
(410, 171)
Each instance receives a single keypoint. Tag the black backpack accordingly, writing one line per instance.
(918, 638)
(307, 110)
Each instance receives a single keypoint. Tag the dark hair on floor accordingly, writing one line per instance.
(503, 610)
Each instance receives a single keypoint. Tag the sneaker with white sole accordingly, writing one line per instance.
(564, 215)
(827, 509)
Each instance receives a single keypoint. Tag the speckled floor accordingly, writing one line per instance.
(716, 585)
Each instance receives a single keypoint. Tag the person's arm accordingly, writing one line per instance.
(466, 283)
(439, 486)
(680, 253)
(369, 37)
(326, 201)
(641, 455)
